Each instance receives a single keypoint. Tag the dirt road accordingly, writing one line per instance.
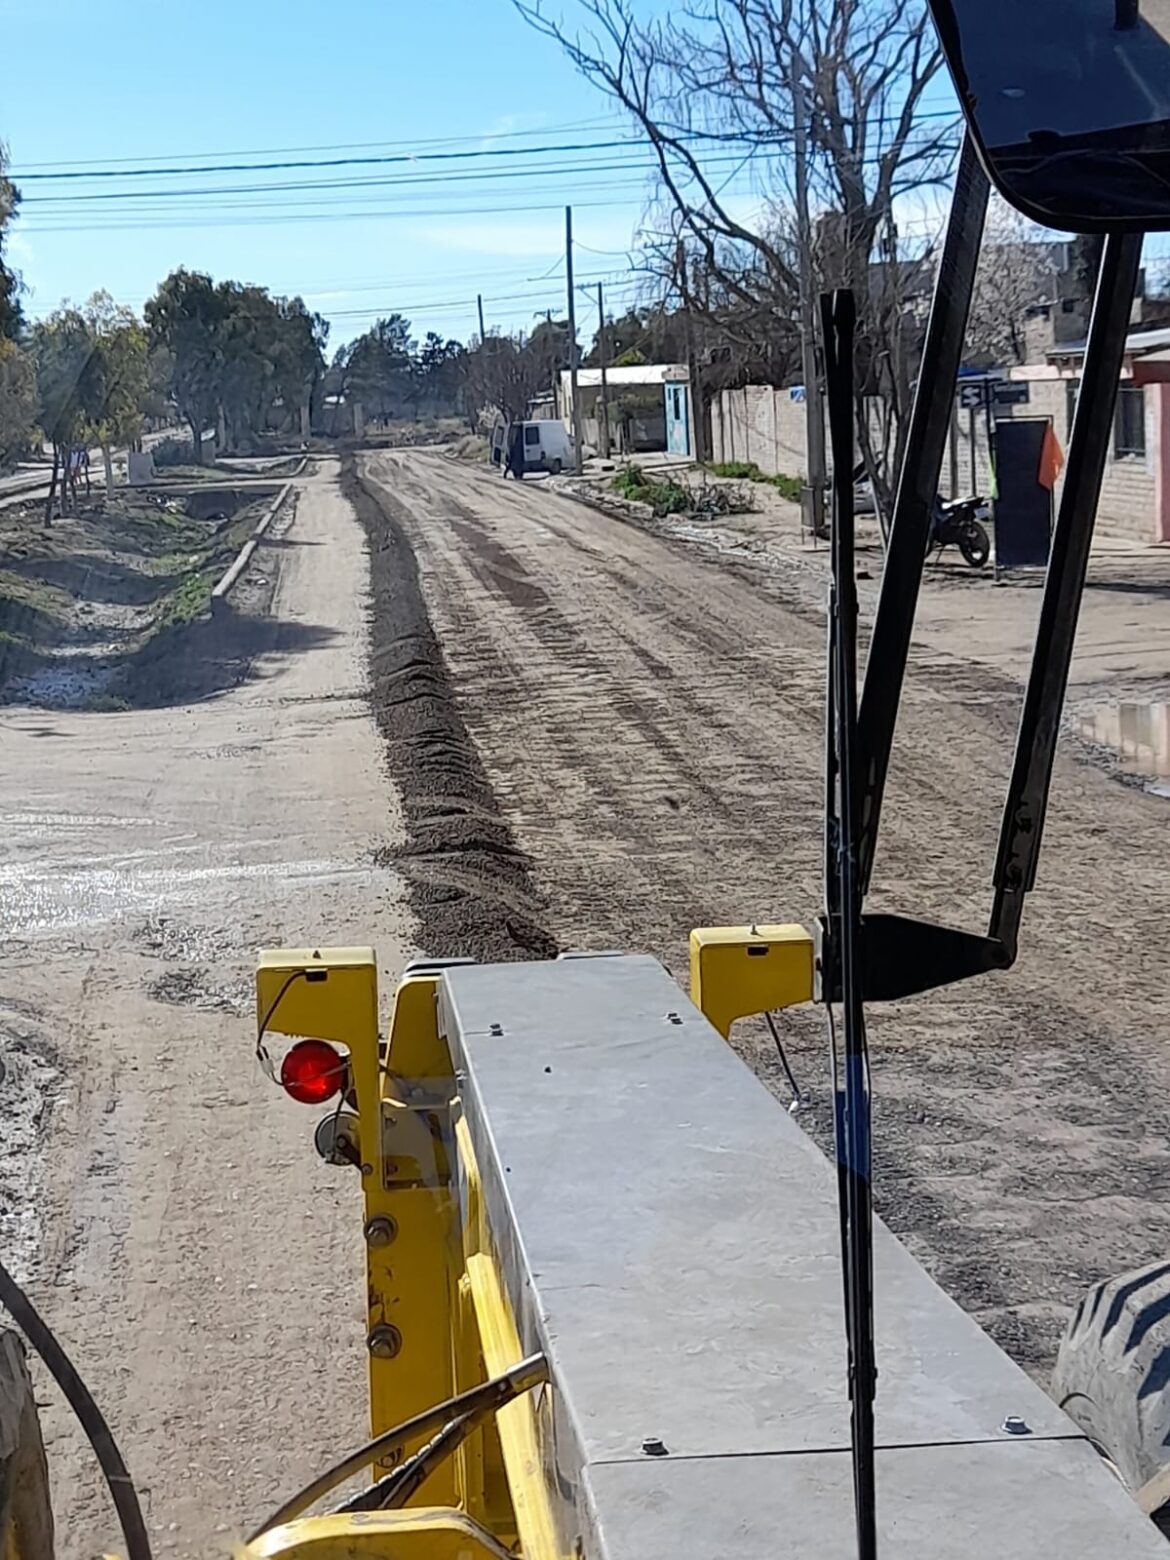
(199, 1261)
(651, 723)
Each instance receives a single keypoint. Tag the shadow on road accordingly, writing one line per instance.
(96, 579)
(195, 661)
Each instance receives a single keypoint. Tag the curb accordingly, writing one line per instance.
(243, 558)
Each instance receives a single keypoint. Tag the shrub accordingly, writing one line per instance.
(668, 496)
(748, 471)
(745, 470)
(632, 482)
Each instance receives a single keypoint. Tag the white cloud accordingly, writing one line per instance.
(19, 249)
(508, 124)
(530, 240)
(498, 238)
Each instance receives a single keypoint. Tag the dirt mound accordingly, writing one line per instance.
(471, 887)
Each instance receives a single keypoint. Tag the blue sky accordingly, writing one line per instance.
(425, 81)
(160, 84)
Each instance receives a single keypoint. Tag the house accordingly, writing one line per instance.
(1135, 492)
(650, 406)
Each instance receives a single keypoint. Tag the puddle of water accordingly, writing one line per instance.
(1139, 734)
(36, 897)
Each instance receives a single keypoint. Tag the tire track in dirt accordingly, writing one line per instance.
(651, 720)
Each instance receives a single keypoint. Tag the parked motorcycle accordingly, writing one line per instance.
(959, 524)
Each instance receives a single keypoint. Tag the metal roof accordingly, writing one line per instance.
(632, 374)
(1137, 343)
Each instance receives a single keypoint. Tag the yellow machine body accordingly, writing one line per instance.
(561, 1166)
(439, 1320)
(739, 971)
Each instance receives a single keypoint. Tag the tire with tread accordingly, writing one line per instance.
(975, 545)
(26, 1512)
(1112, 1373)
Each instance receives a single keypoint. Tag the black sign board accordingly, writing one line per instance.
(974, 393)
(1011, 392)
(1023, 508)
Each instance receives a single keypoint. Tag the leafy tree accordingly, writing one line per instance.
(299, 358)
(187, 317)
(247, 337)
(379, 368)
(67, 372)
(114, 390)
(655, 335)
(157, 402)
(10, 312)
(439, 372)
(18, 401)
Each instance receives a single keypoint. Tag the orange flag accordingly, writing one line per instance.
(1051, 460)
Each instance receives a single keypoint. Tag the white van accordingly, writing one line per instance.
(547, 445)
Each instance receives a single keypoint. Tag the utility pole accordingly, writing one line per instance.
(603, 402)
(578, 446)
(813, 407)
(479, 306)
(694, 389)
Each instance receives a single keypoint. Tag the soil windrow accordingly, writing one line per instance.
(471, 887)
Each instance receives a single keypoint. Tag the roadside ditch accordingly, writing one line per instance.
(98, 610)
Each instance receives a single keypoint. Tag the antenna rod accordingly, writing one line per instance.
(843, 923)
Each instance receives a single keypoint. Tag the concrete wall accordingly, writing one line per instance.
(757, 423)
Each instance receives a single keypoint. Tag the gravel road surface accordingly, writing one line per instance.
(200, 1263)
(595, 738)
(650, 720)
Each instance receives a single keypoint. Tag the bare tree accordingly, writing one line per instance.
(505, 373)
(1017, 273)
(742, 312)
(722, 77)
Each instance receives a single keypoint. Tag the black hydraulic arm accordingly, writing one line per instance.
(898, 955)
(930, 421)
(1027, 798)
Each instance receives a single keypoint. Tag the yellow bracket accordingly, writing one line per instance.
(427, 1533)
(739, 971)
(499, 1339)
(411, 1234)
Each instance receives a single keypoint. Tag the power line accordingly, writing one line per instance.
(404, 214)
(761, 143)
(596, 123)
(616, 282)
(394, 181)
(587, 286)
(330, 162)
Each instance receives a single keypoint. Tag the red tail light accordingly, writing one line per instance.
(313, 1072)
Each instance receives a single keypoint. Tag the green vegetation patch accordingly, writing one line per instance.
(665, 496)
(748, 471)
